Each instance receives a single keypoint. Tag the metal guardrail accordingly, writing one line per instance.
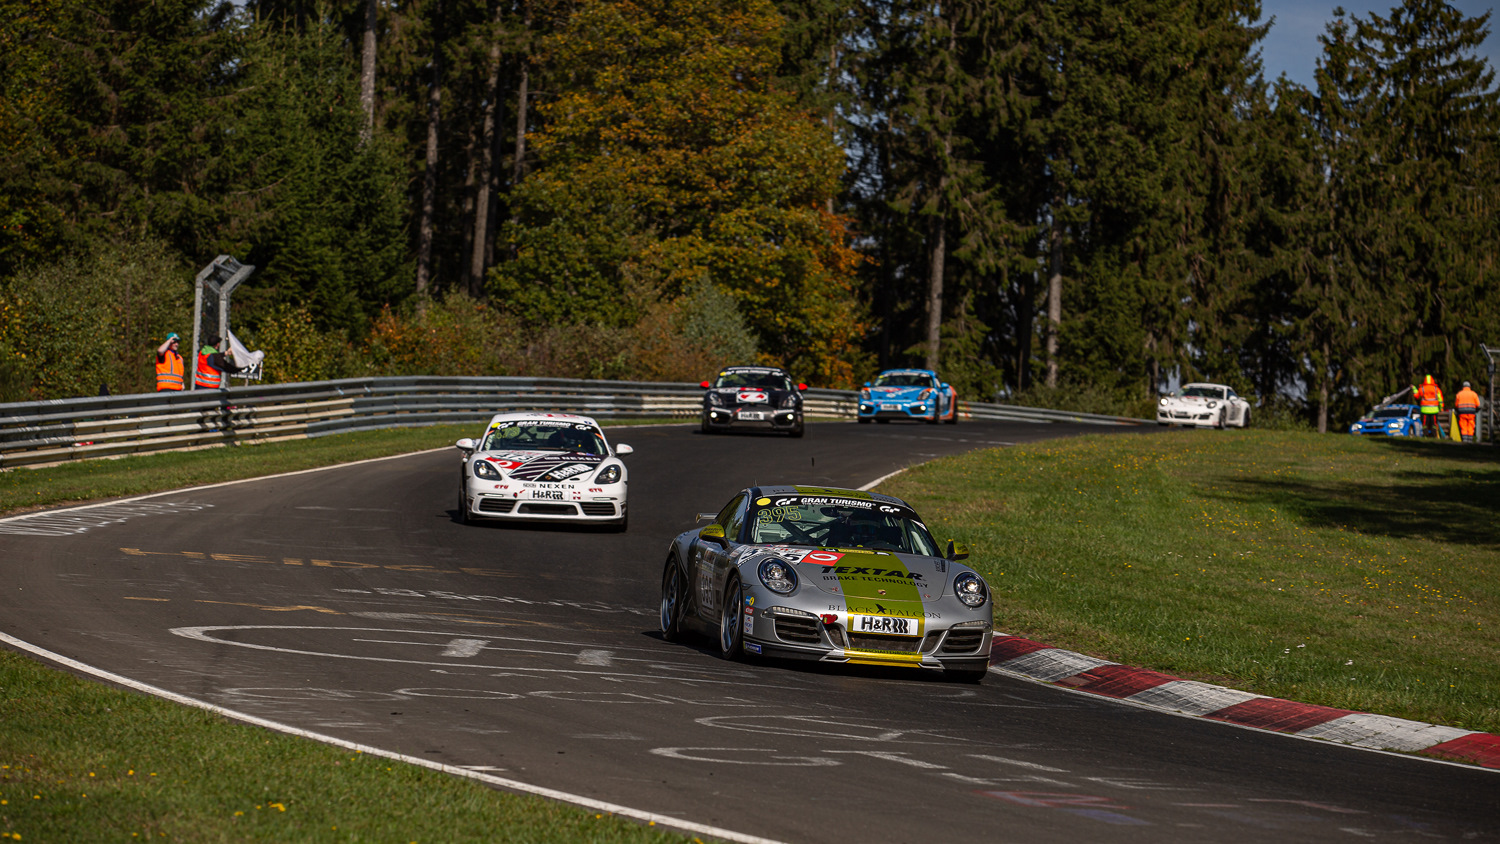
(50, 432)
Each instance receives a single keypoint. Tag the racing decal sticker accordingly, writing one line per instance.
(894, 596)
(556, 467)
(837, 493)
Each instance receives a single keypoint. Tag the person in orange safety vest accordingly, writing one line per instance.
(1430, 398)
(212, 365)
(1466, 405)
(169, 366)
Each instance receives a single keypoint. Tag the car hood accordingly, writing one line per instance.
(542, 465)
(896, 393)
(1191, 400)
(873, 582)
(751, 396)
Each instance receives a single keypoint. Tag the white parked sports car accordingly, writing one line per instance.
(1202, 406)
(533, 466)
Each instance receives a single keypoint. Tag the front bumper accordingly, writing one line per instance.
(790, 634)
(919, 410)
(779, 419)
(527, 501)
(1195, 417)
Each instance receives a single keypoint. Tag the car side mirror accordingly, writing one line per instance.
(621, 449)
(944, 387)
(957, 551)
(465, 445)
(801, 387)
(713, 533)
(704, 385)
(867, 383)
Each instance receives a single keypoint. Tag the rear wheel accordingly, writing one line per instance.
(673, 595)
(731, 621)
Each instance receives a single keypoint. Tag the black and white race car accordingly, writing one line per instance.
(533, 466)
(753, 396)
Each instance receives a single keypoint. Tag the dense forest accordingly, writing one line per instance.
(1066, 202)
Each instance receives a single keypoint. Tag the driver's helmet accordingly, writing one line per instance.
(570, 439)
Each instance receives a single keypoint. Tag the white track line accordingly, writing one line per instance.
(501, 782)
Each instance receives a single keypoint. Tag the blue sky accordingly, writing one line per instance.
(1292, 47)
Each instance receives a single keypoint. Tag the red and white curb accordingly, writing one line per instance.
(1046, 664)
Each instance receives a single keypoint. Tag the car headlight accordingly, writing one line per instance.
(608, 475)
(925, 393)
(715, 400)
(485, 469)
(778, 576)
(970, 589)
(1162, 401)
(790, 400)
(1212, 405)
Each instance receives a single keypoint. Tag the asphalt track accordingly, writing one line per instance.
(349, 603)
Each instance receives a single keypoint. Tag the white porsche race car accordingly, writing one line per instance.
(532, 466)
(1203, 406)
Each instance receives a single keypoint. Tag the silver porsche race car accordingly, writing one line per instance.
(533, 466)
(833, 575)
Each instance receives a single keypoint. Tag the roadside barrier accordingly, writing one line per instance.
(61, 430)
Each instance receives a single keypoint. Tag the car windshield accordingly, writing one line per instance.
(1204, 392)
(833, 522)
(1390, 413)
(761, 380)
(544, 435)
(904, 379)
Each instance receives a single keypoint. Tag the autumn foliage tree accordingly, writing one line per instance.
(669, 160)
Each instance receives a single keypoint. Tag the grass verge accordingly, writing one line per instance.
(80, 761)
(1353, 573)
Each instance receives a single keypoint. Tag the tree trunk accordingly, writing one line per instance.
(518, 166)
(1323, 389)
(429, 182)
(367, 74)
(935, 267)
(484, 177)
(1054, 295)
(1025, 330)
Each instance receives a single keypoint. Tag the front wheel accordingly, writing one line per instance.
(1219, 423)
(673, 595)
(731, 621)
(705, 427)
(463, 507)
(863, 420)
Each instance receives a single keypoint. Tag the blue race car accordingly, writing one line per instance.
(1393, 420)
(908, 394)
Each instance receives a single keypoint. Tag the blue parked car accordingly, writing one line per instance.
(908, 394)
(1393, 420)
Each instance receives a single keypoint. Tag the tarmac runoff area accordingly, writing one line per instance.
(1041, 663)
